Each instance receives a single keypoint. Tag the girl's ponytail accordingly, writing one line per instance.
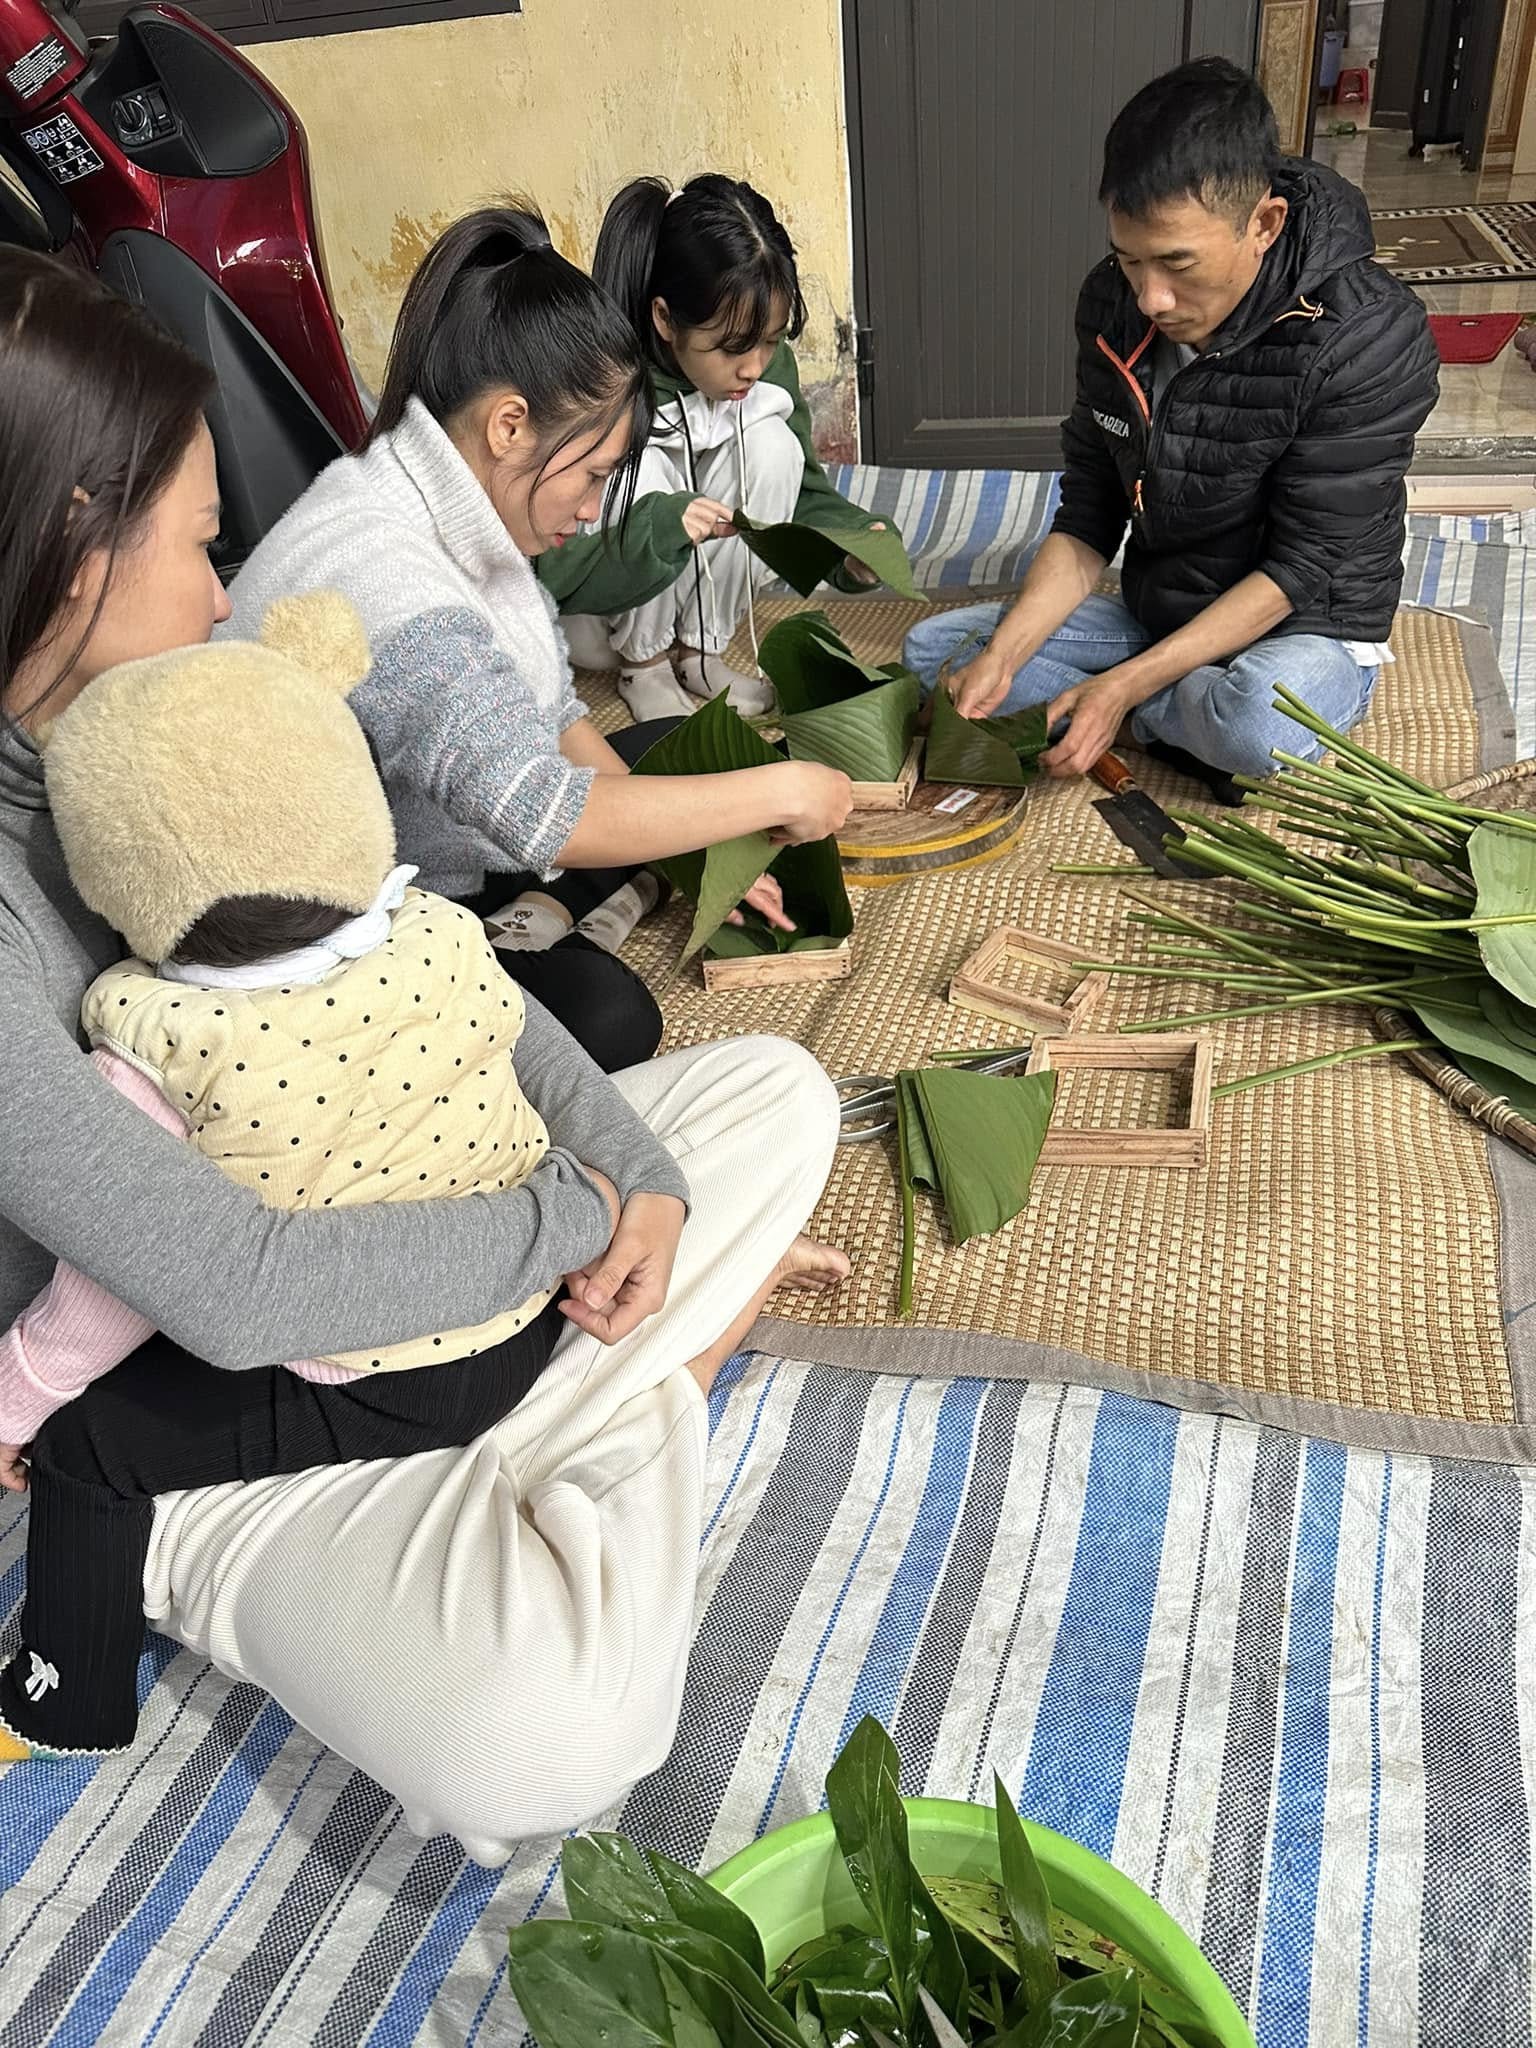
(625, 259)
(495, 305)
(714, 250)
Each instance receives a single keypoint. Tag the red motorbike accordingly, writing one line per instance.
(160, 159)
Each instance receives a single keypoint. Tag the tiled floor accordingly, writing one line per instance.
(1486, 409)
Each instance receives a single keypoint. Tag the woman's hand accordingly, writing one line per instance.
(615, 1293)
(767, 899)
(705, 519)
(816, 800)
(860, 572)
(13, 1467)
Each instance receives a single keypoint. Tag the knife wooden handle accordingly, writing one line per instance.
(1113, 774)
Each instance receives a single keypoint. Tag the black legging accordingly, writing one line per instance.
(604, 1005)
(164, 1420)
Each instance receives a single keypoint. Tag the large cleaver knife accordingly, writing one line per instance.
(1139, 823)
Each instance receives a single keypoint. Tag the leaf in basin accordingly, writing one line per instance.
(985, 1132)
(1103, 2011)
(715, 741)
(810, 664)
(578, 1983)
(1466, 1031)
(866, 736)
(1503, 861)
(943, 2029)
(975, 1909)
(731, 1995)
(848, 1982)
(864, 1800)
(805, 553)
(1027, 1900)
(695, 1901)
(609, 1881)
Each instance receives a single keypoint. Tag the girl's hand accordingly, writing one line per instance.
(860, 572)
(815, 799)
(13, 1467)
(705, 519)
(767, 899)
(614, 1294)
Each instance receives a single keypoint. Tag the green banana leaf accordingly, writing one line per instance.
(805, 552)
(983, 753)
(984, 1133)
(1503, 859)
(1466, 1030)
(867, 737)
(810, 664)
(815, 896)
(835, 708)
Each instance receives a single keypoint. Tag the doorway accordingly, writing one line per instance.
(975, 132)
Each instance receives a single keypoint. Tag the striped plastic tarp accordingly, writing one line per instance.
(1288, 1687)
(973, 528)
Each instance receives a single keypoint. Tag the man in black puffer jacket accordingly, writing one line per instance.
(1249, 385)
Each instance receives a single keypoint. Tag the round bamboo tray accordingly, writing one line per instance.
(881, 847)
(1501, 789)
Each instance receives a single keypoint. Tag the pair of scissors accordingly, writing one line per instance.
(868, 1101)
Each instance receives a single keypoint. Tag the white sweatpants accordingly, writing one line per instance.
(499, 1634)
(775, 470)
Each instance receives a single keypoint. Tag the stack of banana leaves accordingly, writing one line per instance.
(1382, 891)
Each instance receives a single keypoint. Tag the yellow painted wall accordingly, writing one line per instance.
(408, 127)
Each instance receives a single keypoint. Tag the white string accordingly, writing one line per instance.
(741, 485)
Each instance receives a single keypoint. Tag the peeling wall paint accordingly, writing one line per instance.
(409, 127)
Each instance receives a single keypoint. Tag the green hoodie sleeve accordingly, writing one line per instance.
(818, 500)
(600, 574)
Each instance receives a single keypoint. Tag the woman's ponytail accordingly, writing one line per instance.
(715, 250)
(625, 259)
(495, 305)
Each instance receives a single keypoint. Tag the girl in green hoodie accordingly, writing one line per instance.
(707, 276)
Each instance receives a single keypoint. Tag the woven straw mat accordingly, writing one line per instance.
(1342, 1243)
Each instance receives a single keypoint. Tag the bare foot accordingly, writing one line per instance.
(812, 1266)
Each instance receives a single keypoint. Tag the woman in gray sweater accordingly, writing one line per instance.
(337, 1598)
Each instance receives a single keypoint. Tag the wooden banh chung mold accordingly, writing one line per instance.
(1182, 1145)
(988, 982)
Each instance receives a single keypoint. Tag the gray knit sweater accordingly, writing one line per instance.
(470, 688)
(86, 1177)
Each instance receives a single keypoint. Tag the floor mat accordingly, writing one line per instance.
(1338, 1266)
(1286, 1686)
(1428, 244)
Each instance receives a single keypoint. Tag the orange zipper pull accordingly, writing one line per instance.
(1136, 504)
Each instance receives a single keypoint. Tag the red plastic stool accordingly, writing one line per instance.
(1353, 88)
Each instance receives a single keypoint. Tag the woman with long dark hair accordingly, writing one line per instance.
(458, 1622)
(516, 398)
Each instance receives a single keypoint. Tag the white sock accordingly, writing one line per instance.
(710, 675)
(653, 692)
(612, 922)
(526, 927)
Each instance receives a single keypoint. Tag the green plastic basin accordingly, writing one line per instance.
(794, 1885)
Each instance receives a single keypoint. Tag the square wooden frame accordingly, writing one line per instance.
(1164, 1053)
(891, 796)
(771, 970)
(972, 986)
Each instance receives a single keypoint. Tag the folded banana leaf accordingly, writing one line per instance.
(983, 753)
(805, 552)
(835, 708)
(973, 1140)
(715, 741)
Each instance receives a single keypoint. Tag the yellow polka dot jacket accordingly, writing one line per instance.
(392, 1078)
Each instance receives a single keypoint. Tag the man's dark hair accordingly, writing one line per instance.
(1203, 132)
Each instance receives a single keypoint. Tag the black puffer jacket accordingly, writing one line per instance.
(1282, 447)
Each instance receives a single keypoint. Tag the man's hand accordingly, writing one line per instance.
(615, 1293)
(13, 1467)
(707, 519)
(767, 899)
(860, 572)
(979, 687)
(1097, 710)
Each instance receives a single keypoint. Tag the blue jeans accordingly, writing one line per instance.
(1223, 714)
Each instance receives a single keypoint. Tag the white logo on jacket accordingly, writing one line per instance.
(1111, 425)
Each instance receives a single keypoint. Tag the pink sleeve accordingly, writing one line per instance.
(75, 1331)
